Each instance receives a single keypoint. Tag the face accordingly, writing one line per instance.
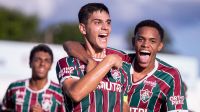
(97, 30)
(41, 64)
(147, 44)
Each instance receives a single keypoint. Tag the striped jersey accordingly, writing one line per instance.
(107, 97)
(19, 97)
(162, 90)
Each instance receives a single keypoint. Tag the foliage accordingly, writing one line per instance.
(63, 32)
(17, 26)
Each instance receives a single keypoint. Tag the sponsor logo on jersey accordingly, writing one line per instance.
(20, 97)
(134, 109)
(150, 83)
(110, 86)
(175, 100)
(47, 102)
(115, 74)
(145, 95)
(66, 70)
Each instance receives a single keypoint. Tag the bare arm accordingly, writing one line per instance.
(76, 49)
(78, 89)
(126, 107)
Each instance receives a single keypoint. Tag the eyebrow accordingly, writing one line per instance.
(108, 20)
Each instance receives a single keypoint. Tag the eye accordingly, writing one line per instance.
(139, 39)
(97, 22)
(109, 22)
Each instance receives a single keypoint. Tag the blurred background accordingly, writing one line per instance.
(25, 23)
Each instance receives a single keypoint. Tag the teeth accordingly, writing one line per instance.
(103, 34)
(144, 51)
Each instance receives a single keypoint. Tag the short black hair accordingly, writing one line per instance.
(150, 23)
(38, 48)
(88, 9)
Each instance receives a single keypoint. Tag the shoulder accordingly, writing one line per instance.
(167, 68)
(17, 85)
(122, 54)
(110, 50)
(66, 59)
(55, 85)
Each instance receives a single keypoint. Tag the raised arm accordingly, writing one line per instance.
(79, 88)
(76, 49)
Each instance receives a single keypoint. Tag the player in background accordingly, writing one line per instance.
(38, 93)
(156, 85)
(99, 88)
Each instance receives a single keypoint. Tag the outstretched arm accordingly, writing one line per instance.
(76, 49)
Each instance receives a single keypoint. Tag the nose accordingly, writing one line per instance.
(145, 43)
(105, 26)
(42, 62)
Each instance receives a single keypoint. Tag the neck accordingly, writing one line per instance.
(36, 84)
(143, 70)
(94, 52)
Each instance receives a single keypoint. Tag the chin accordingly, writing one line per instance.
(142, 65)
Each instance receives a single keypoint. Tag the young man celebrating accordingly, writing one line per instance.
(37, 94)
(156, 86)
(99, 88)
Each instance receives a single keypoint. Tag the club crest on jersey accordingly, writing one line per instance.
(46, 102)
(115, 74)
(145, 95)
(20, 97)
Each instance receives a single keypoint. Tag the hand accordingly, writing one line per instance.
(36, 108)
(100, 55)
(115, 60)
(90, 65)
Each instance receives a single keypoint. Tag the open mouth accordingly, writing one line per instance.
(144, 52)
(144, 56)
(103, 35)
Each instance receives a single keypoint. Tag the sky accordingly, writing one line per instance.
(180, 18)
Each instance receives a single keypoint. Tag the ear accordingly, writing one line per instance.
(82, 28)
(161, 45)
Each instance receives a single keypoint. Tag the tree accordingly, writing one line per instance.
(16, 26)
(62, 32)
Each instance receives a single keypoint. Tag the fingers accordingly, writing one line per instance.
(91, 64)
(36, 108)
(100, 55)
(115, 60)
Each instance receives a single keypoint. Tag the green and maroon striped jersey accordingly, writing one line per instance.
(162, 90)
(19, 97)
(107, 97)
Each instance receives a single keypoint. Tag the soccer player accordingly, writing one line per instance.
(156, 85)
(102, 87)
(38, 93)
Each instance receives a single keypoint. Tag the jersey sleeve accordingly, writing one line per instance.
(129, 71)
(7, 103)
(66, 67)
(176, 99)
